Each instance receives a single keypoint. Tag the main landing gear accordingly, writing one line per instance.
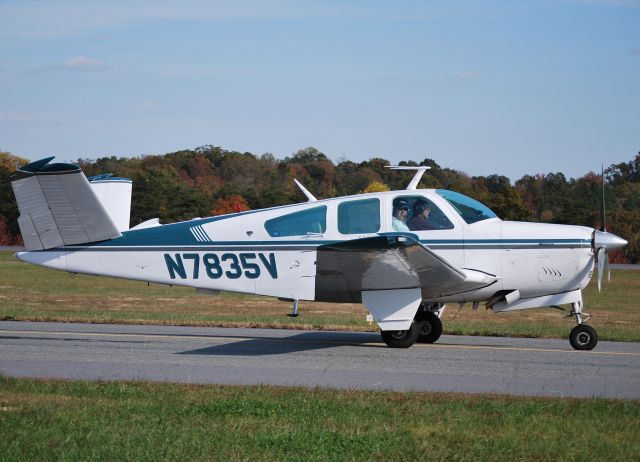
(425, 328)
(582, 337)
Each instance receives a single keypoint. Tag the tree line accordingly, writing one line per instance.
(210, 180)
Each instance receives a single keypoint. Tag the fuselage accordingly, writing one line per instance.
(274, 251)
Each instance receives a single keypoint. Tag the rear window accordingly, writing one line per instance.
(310, 221)
(358, 217)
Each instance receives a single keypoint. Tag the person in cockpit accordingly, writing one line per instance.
(420, 219)
(400, 212)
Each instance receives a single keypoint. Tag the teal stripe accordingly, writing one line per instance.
(529, 243)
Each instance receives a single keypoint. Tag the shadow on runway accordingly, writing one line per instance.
(307, 341)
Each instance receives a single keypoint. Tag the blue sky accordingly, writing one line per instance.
(506, 87)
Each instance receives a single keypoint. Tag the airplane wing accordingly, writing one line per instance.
(392, 261)
(58, 207)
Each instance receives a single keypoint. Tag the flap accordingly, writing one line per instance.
(388, 262)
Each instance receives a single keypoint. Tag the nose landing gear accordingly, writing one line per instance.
(582, 337)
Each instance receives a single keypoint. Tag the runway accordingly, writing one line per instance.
(532, 367)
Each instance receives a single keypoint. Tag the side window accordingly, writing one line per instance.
(358, 217)
(298, 223)
(421, 214)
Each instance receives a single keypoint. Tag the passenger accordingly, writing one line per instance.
(400, 212)
(419, 220)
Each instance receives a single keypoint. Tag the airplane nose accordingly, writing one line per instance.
(608, 240)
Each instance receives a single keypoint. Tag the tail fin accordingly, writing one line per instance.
(115, 196)
(58, 207)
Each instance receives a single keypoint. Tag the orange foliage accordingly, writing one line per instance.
(231, 204)
(10, 162)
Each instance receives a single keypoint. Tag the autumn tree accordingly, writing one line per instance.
(352, 178)
(376, 186)
(9, 231)
(231, 204)
(160, 193)
(9, 162)
(497, 193)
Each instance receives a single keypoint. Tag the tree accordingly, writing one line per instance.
(376, 186)
(312, 168)
(623, 172)
(529, 188)
(352, 178)
(231, 204)
(556, 196)
(6, 237)
(159, 192)
(496, 191)
(10, 162)
(8, 207)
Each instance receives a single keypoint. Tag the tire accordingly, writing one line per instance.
(401, 338)
(429, 327)
(583, 337)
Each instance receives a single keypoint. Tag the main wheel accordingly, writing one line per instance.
(401, 338)
(429, 327)
(583, 337)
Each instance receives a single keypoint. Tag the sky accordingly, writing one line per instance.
(485, 87)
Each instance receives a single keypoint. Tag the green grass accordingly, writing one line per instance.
(29, 292)
(58, 420)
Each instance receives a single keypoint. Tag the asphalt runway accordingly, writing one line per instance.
(533, 367)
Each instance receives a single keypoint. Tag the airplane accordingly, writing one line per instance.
(364, 248)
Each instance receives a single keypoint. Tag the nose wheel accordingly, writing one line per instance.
(583, 336)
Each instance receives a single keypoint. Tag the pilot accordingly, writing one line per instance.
(420, 219)
(400, 212)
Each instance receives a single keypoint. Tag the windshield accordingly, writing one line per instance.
(469, 209)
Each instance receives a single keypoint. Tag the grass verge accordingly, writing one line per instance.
(28, 292)
(59, 420)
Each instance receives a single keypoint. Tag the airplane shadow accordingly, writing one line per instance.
(308, 341)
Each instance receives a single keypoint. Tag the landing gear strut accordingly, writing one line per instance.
(582, 337)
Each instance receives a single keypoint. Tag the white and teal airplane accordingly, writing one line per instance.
(403, 254)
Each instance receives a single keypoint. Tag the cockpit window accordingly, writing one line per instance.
(417, 213)
(310, 221)
(469, 209)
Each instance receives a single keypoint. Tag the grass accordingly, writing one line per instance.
(59, 420)
(29, 292)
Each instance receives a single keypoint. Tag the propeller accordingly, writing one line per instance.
(603, 242)
(602, 258)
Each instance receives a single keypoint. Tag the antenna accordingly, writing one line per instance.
(310, 196)
(413, 184)
(603, 219)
